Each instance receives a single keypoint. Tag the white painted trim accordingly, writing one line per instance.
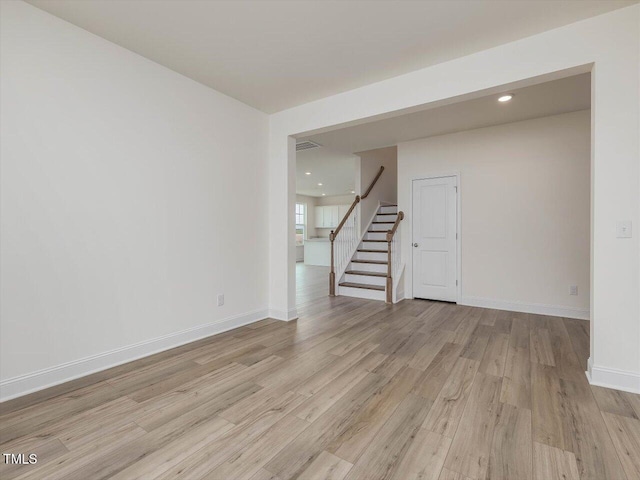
(458, 176)
(515, 306)
(613, 378)
(285, 316)
(398, 293)
(49, 377)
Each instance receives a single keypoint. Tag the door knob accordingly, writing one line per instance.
(415, 245)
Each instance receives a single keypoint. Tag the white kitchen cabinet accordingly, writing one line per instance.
(319, 217)
(329, 216)
(333, 219)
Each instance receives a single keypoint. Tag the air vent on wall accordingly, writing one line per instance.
(306, 145)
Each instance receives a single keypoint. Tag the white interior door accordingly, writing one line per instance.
(434, 241)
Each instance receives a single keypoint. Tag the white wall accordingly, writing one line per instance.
(609, 47)
(525, 210)
(128, 202)
(386, 189)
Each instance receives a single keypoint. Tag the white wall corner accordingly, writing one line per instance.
(613, 378)
(50, 377)
(284, 315)
(536, 308)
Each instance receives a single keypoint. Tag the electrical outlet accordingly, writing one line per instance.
(220, 300)
(573, 290)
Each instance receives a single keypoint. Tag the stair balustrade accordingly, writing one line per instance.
(343, 246)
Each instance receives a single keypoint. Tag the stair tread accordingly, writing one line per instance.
(362, 285)
(376, 241)
(375, 262)
(368, 250)
(388, 223)
(368, 274)
(386, 214)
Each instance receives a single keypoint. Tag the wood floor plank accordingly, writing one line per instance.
(511, 449)
(385, 452)
(80, 460)
(589, 441)
(309, 444)
(615, 401)
(549, 408)
(625, 433)
(430, 347)
(213, 454)
(550, 463)
(311, 409)
(470, 452)
(263, 474)
(477, 344)
(516, 384)
(353, 440)
(320, 379)
(579, 335)
(436, 374)
(541, 350)
(447, 474)
(164, 458)
(495, 355)
(248, 461)
(424, 458)
(326, 467)
(447, 409)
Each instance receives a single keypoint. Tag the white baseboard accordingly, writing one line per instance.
(537, 308)
(613, 378)
(49, 377)
(284, 315)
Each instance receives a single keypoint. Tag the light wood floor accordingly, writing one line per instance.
(354, 389)
(312, 282)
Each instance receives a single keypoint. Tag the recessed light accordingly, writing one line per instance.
(505, 98)
(353, 191)
(307, 173)
(319, 184)
(323, 194)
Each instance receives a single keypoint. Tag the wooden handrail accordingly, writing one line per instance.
(390, 235)
(335, 232)
(375, 180)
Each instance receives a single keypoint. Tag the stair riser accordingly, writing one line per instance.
(374, 246)
(381, 227)
(388, 210)
(375, 236)
(386, 218)
(362, 293)
(368, 267)
(372, 256)
(366, 280)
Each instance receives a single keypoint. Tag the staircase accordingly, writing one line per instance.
(367, 272)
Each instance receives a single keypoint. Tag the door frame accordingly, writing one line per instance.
(457, 175)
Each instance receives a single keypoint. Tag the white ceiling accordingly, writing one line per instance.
(336, 171)
(277, 54)
(551, 98)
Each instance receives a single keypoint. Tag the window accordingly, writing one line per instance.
(300, 223)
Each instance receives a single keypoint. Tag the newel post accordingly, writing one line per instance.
(332, 273)
(389, 279)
